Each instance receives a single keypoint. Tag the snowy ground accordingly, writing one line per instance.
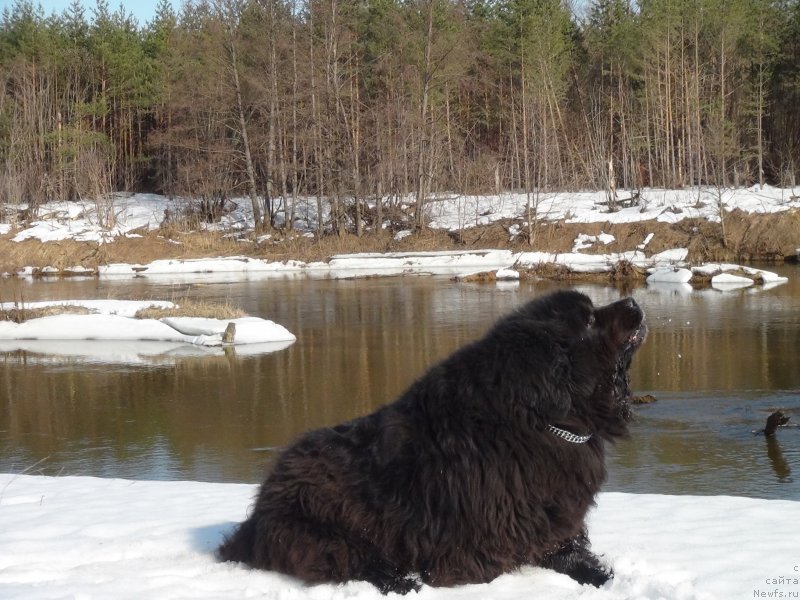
(140, 212)
(82, 537)
(132, 213)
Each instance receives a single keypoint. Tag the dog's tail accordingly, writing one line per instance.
(240, 545)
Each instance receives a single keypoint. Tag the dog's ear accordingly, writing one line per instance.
(548, 394)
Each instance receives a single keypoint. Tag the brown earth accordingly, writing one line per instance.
(745, 237)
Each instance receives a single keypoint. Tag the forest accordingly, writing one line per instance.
(364, 103)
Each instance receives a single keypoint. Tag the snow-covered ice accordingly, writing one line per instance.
(113, 321)
(669, 275)
(725, 281)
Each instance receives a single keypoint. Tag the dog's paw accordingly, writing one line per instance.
(395, 581)
(404, 585)
(596, 575)
(574, 558)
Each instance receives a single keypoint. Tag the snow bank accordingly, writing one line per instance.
(98, 538)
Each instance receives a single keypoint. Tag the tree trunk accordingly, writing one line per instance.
(425, 133)
(248, 158)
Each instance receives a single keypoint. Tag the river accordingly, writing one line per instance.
(717, 363)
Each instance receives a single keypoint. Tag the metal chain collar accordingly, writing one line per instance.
(568, 435)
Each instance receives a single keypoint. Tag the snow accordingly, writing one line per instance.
(507, 275)
(765, 276)
(711, 269)
(675, 255)
(648, 238)
(230, 264)
(584, 263)
(727, 281)
(443, 262)
(84, 537)
(584, 241)
(454, 211)
(249, 330)
(141, 212)
(669, 275)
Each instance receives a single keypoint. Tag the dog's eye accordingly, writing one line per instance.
(591, 320)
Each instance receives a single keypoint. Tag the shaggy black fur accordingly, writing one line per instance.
(459, 480)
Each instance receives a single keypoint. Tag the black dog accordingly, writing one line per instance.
(488, 462)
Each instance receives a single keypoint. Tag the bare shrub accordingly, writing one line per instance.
(93, 180)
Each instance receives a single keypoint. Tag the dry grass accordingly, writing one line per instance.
(184, 308)
(20, 314)
(192, 308)
(748, 237)
(624, 270)
(552, 271)
(482, 277)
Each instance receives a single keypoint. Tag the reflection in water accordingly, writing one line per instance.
(717, 362)
(776, 459)
(704, 445)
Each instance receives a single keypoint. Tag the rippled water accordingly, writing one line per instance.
(717, 363)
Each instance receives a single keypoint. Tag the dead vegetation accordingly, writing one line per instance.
(192, 308)
(747, 237)
(19, 312)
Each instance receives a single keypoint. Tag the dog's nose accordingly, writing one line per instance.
(627, 304)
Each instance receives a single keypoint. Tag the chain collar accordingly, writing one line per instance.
(568, 435)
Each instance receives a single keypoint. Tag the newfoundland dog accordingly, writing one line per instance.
(487, 462)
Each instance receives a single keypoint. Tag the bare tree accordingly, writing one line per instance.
(230, 12)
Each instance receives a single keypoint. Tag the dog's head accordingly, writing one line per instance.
(590, 350)
(620, 330)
